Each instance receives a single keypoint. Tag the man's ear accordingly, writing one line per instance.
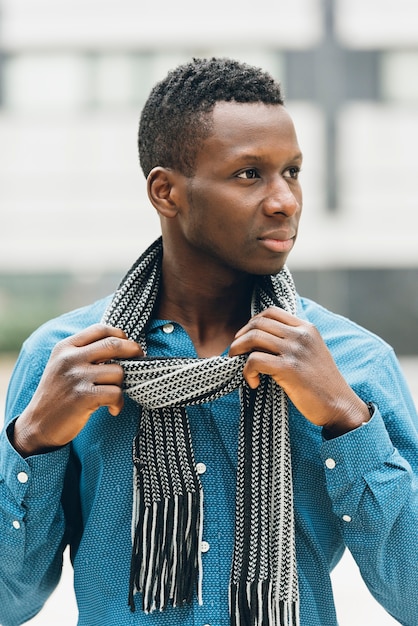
(163, 190)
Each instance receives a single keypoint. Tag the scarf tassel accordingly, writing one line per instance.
(254, 604)
(166, 541)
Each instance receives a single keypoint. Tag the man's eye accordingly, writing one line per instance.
(248, 174)
(292, 172)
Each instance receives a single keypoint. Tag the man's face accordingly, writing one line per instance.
(243, 203)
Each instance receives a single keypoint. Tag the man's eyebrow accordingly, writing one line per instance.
(248, 156)
(298, 156)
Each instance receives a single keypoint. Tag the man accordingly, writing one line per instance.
(221, 533)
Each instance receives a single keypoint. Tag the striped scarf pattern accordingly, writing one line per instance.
(167, 518)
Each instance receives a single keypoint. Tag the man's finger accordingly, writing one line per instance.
(94, 333)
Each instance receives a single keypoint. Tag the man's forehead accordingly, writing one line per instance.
(234, 108)
(241, 132)
(235, 120)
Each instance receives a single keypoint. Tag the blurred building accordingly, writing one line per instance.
(73, 77)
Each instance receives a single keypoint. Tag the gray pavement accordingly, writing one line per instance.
(355, 606)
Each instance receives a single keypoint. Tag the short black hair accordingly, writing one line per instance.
(174, 121)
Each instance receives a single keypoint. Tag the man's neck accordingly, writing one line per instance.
(211, 310)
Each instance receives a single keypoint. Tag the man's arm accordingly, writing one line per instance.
(370, 465)
(374, 494)
(79, 378)
(32, 530)
(49, 402)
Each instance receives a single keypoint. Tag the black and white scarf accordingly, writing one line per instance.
(167, 515)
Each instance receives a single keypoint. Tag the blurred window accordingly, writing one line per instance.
(106, 80)
(44, 81)
(377, 23)
(399, 71)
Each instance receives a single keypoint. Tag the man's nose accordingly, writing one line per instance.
(281, 198)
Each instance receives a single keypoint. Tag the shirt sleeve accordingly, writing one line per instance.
(371, 475)
(32, 520)
(39, 496)
(32, 529)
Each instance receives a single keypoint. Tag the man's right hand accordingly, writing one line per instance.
(78, 379)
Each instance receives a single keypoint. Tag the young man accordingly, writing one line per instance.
(281, 435)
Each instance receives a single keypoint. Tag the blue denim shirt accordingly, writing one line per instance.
(358, 491)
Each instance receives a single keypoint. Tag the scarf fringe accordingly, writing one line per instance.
(255, 604)
(167, 541)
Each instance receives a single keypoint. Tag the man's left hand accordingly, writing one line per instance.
(294, 354)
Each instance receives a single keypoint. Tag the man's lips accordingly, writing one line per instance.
(277, 243)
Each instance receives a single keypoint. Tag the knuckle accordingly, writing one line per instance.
(119, 375)
(112, 344)
(95, 392)
(306, 334)
(254, 359)
(271, 310)
(100, 326)
(91, 396)
(81, 391)
(64, 357)
(250, 362)
(293, 361)
(108, 331)
(80, 379)
(61, 347)
(116, 373)
(256, 323)
(255, 335)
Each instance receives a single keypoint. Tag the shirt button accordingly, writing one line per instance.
(204, 546)
(330, 463)
(16, 524)
(168, 328)
(347, 518)
(200, 468)
(22, 477)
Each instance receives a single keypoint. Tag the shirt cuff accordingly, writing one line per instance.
(363, 460)
(35, 476)
(359, 451)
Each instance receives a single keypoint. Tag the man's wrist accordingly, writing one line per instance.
(354, 419)
(18, 440)
(24, 441)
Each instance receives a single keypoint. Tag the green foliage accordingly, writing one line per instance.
(29, 300)
(25, 303)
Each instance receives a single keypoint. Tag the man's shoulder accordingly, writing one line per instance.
(337, 329)
(65, 325)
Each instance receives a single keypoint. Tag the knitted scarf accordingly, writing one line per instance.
(167, 514)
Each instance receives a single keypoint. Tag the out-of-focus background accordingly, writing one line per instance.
(74, 215)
